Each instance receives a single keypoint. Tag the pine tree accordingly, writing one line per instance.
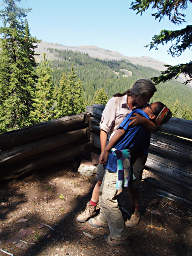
(75, 96)
(43, 98)
(60, 104)
(17, 68)
(69, 95)
(100, 97)
(181, 110)
(180, 39)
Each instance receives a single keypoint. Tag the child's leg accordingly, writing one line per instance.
(90, 210)
(95, 193)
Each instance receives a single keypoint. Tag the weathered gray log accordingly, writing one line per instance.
(23, 152)
(179, 127)
(179, 167)
(176, 126)
(171, 196)
(95, 129)
(172, 147)
(95, 110)
(70, 152)
(95, 140)
(164, 144)
(42, 130)
(169, 187)
(176, 170)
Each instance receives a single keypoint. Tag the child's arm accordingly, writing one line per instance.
(147, 123)
(118, 134)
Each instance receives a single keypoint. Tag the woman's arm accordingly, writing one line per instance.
(147, 123)
(103, 139)
(108, 116)
(107, 120)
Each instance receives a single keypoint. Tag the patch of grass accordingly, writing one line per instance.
(61, 196)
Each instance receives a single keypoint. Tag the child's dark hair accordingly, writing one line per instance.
(163, 114)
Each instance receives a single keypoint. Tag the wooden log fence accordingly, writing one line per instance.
(42, 145)
(42, 130)
(169, 163)
(168, 167)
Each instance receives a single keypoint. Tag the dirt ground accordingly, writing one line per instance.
(37, 217)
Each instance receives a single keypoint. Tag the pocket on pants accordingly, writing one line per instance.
(109, 186)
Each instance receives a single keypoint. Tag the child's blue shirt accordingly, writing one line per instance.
(136, 139)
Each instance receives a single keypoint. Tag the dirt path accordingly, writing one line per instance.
(37, 217)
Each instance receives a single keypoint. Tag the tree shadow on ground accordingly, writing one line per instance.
(157, 234)
(10, 199)
(168, 214)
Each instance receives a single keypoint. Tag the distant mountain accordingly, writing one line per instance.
(99, 53)
(102, 54)
(147, 62)
(100, 68)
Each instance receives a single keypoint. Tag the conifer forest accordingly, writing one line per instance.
(32, 92)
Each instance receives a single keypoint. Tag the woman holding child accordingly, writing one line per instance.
(115, 111)
(126, 142)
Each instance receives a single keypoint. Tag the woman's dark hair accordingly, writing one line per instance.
(143, 87)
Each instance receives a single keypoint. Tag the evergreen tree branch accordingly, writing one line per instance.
(182, 38)
(174, 72)
(170, 8)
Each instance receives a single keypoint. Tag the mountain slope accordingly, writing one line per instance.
(99, 53)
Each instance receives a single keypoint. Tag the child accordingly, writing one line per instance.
(134, 139)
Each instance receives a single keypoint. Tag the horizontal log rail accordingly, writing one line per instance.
(175, 126)
(43, 161)
(47, 143)
(42, 130)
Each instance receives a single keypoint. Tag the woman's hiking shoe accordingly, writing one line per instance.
(115, 242)
(97, 222)
(90, 211)
(133, 221)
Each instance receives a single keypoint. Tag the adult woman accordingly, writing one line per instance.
(118, 171)
(115, 111)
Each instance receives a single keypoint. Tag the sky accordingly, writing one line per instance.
(108, 24)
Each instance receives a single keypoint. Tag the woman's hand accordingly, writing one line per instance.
(137, 119)
(103, 157)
